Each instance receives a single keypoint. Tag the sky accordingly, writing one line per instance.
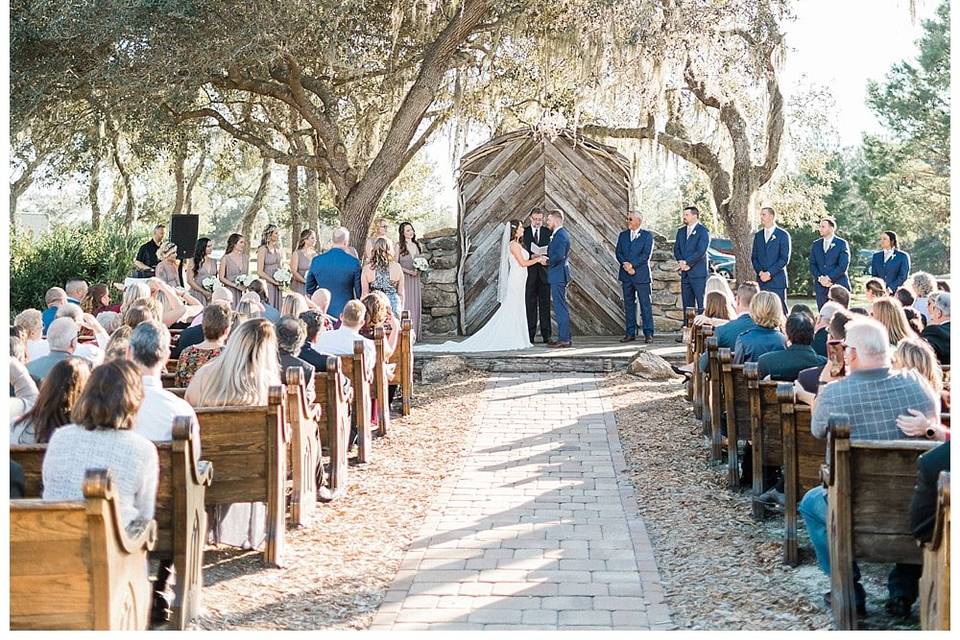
(841, 44)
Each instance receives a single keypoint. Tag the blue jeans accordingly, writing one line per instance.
(813, 508)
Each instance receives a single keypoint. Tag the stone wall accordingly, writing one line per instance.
(441, 299)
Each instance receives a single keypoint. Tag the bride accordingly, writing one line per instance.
(507, 329)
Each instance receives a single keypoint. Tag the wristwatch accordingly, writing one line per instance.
(930, 433)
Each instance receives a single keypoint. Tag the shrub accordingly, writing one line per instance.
(36, 264)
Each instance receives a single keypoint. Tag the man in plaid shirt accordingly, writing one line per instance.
(872, 395)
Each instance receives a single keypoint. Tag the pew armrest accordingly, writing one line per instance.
(204, 473)
(825, 475)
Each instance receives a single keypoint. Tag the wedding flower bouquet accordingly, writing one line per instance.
(420, 264)
(244, 280)
(209, 283)
(283, 276)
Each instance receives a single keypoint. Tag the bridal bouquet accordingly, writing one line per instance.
(244, 280)
(420, 264)
(209, 283)
(283, 276)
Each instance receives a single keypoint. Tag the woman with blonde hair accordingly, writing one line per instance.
(116, 348)
(171, 307)
(766, 311)
(294, 304)
(269, 259)
(889, 313)
(923, 284)
(915, 353)
(168, 269)
(31, 321)
(383, 273)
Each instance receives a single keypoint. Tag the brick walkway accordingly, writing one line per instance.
(539, 530)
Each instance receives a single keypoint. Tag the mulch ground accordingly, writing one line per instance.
(339, 567)
(719, 567)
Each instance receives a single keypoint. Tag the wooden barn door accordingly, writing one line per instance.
(511, 174)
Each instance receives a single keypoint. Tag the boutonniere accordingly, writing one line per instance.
(693, 233)
(830, 247)
(773, 237)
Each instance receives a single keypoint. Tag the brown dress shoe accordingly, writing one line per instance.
(647, 339)
(628, 339)
(561, 345)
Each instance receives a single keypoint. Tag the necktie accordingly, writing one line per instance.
(633, 236)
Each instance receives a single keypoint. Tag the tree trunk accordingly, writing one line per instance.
(256, 203)
(356, 214)
(312, 205)
(735, 215)
(188, 196)
(293, 193)
(179, 158)
(129, 215)
(93, 192)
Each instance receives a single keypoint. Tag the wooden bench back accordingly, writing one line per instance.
(935, 581)
(402, 357)
(765, 430)
(381, 385)
(73, 565)
(304, 448)
(714, 382)
(248, 448)
(335, 407)
(354, 367)
(736, 403)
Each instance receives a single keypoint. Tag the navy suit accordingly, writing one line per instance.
(753, 343)
(772, 256)
(337, 271)
(558, 275)
(637, 285)
(832, 264)
(894, 271)
(694, 281)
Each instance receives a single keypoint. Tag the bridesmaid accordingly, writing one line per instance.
(409, 249)
(202, 266)
(269, 259)
(383, 274)
(168, 269)
(301, 259)
(234, 262)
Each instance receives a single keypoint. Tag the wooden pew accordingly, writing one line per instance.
(354, 368)
(737, 408)
(715, 380)
(73, 565)
(696, 381)
(766, 432)
(402, 357)
(870, 485)
(705, 334)
(687, 333)
(179, 513)
(935, 581)
(248, 448)
(381, 385)
(168, 380)
(803, 455)
(335, 429)
(304, 449)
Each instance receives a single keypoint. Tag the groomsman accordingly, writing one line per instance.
(771, 255)
(634, 247)
(890, 264)
(829, 259)
(690, 250)
(538, 290)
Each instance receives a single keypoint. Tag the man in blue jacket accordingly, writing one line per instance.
(634, 247)
(690, 250)
(337, 271)
(558, 275)
(890, 264)
(829, 259)
(771, 255)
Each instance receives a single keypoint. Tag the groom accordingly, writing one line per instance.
(558, 275)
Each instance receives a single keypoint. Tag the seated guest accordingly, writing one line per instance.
(339, 342)
(717, 284)
(943, 285)
(786, 365)
(23, 390)
(820, 329)
(313, 327)
(92, 351)
(379, 315)
(923, 508)
(889, 313)
(270, 312)
(321, 300)
(923, 284)
(917, 355)
(18, 482)
(241, 376)
(110, 321)
(905, 296)
(937, 331)
(220, 294)
(119, 346)
(76, 289)
(62, 337)
(291, 334)
(872, 395)
(914, 319)
(97, 301)
(140, 311)
(100, 437)
(293, 304)
(728, 333)
(810, 380)
(58, 396)
(31, 321)
(839, 294)
(804, 309)
(54, 299)
(860, 311)
(149, 350)
(767, 313)
(875, 288)
(215, 328)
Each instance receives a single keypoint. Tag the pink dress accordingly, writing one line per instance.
(207, 269)
(168, 273)
(303, 265)
(234, 265)
(271, 262)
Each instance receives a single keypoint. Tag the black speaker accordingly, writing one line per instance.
(183, 233)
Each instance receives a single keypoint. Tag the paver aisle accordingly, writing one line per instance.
(539, 530)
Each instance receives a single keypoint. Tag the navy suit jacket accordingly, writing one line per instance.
(894, 272)
(558, 271)
(773, 256)
(694, 251)
(338, 271)
(636, 253)
(755, 342)
(833, 264)
(727, 335)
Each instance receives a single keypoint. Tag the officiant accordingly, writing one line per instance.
(536, 237)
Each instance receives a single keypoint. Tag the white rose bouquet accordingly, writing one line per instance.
(420, 264)
(209, 283)
(244, 280)
(283, 276)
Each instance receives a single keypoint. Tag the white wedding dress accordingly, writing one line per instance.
(507, 329)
